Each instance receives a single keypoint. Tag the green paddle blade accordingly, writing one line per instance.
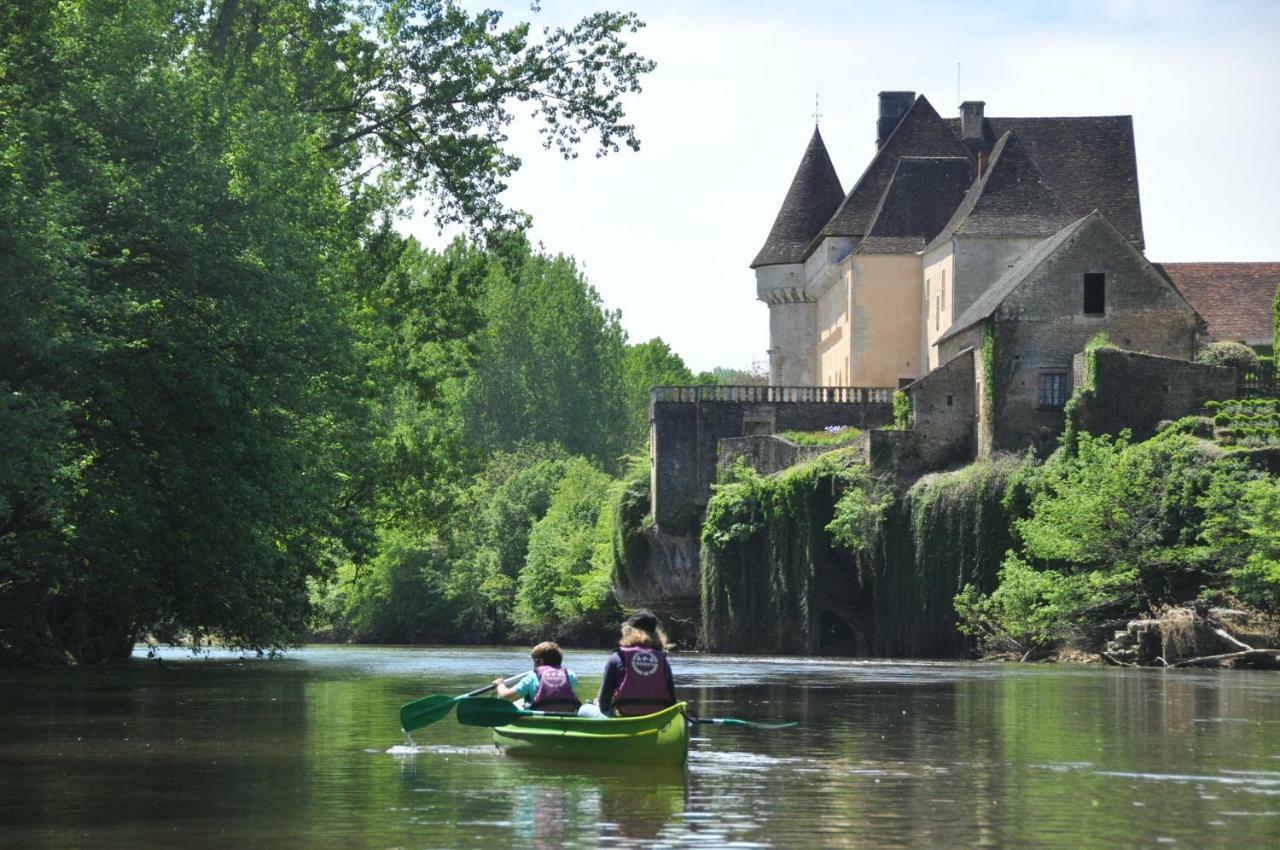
(734, 721)
(755, 724)
(425, 711)
(487, 711)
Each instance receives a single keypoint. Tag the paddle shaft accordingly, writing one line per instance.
(509, 681)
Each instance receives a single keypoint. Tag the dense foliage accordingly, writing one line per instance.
(223, 374)
(1116, 528)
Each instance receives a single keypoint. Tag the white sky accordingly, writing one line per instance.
(666, 234)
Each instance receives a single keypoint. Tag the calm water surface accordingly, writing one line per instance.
(306, 752)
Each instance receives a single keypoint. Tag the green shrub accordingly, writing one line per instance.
(903, 413)
(1233, 354)
(821, 438)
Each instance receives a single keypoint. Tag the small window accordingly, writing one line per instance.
(951, 400)
(1053, 390)
(937, 313)
(905, 382)
(944, 289)
(1095, 294)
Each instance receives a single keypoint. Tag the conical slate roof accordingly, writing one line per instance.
(1011, 199)
(814, 195)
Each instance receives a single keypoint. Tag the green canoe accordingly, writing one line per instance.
(661, 738)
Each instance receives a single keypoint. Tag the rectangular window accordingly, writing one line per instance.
(937, 313)
(1095, 294)
(944, 289)
(1053, 390)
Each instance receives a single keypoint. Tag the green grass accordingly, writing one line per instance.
(821, 438)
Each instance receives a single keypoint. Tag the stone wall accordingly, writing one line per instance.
(686, 423)
(1138, 391)
(1041, 325)
(944, 408)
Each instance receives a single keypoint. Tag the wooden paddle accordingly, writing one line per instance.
(499, 712)
(425, 711)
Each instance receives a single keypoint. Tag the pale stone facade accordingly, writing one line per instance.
(972, 251)
(860, 287)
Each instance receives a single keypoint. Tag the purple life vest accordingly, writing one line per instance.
(643, 689)
(554, 691)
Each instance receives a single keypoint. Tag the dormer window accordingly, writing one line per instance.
(1095, 294)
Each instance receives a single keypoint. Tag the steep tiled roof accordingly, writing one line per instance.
(1089, 163)
(1011, 199)
(990, 300)
(921, 196)
(1234, 298)
(920, 133)
(814, 195)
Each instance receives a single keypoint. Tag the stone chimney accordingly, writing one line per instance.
(893, 105)
(971, 120)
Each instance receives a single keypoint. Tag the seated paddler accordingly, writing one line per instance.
(549, 686)
(637, 677)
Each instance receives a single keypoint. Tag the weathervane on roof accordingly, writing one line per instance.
(816, 113)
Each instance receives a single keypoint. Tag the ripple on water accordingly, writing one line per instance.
(436, 749)
(1181, 777)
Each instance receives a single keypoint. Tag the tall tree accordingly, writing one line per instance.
(550, 363)
(648, 365)
(189, 191)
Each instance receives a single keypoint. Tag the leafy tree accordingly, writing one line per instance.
(550, 362)
(1116, 528)
(202, 332)
(566, 581)
(647, 365)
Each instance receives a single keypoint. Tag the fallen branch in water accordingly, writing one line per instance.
(1269, 657)
(1227, 637)
(1116, 662)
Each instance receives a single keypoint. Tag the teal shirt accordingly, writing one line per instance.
(527, 687)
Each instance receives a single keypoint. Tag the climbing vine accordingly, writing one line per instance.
(767, 558)
(1074, 410)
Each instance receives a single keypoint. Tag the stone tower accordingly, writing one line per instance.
(814, 195)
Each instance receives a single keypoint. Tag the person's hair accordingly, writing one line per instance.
(547, 653)
(635, 636)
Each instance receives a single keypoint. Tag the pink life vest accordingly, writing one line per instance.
(643, 689)
(554, 691)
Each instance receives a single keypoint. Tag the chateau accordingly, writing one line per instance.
(961, 227)
(969, 266)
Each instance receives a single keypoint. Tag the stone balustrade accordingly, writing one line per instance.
(772, 395)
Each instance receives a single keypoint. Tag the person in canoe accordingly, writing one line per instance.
(637, 677)
(549, 686)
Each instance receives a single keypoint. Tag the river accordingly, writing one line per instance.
(305, 751)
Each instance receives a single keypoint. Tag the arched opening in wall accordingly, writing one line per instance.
(837, 635)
